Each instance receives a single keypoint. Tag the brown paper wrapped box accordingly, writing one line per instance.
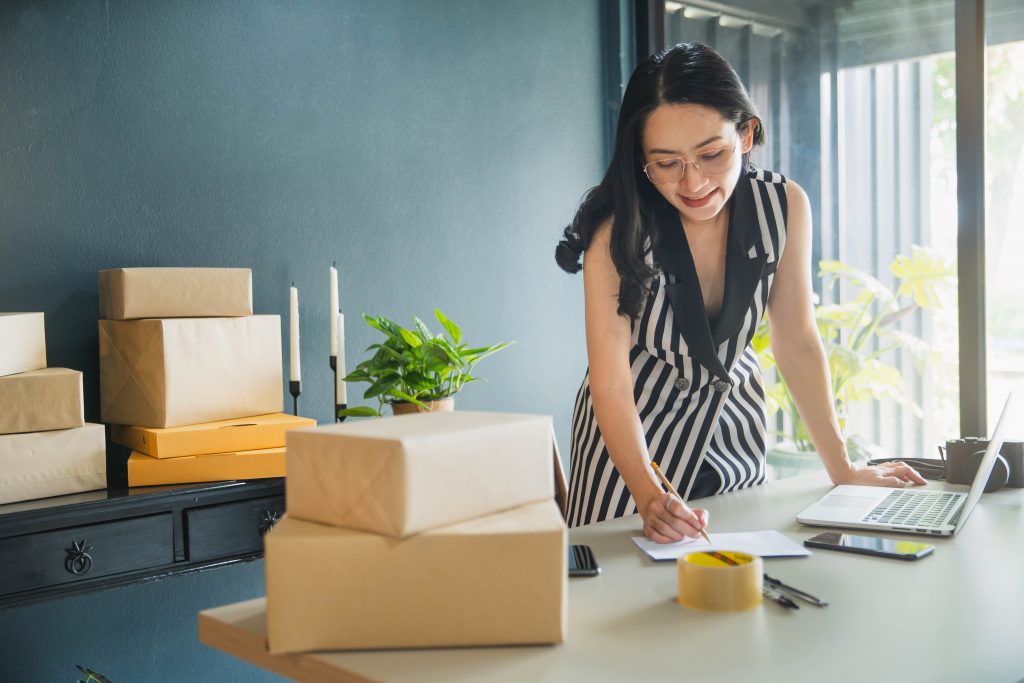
(180, 371)
(44, 464)
(145, 470)
(22, 342)
(41, 400)
(127, 293)
(400, 475)
(496, 580)
(223, 436)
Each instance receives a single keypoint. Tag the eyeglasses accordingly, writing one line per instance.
(713, 162)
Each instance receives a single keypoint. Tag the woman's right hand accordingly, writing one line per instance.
(668, 519)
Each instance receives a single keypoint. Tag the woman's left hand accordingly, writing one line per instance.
(895, 474)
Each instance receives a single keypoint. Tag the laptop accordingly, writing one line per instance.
(911, 510)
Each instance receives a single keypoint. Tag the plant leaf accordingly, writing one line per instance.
(924, 275)
(453, 330)
(424, 331)
(410, 338)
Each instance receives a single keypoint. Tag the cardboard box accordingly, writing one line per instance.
(400, 475)
(22, 342)
(41, 400)
(224, 436)
(496, 580)
(145, 470)
(180, 371)
(54, 463)
(127, 293)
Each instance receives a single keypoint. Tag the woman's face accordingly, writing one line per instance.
(694, 132)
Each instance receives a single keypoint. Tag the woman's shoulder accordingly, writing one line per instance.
(766, 176)
(794, 192)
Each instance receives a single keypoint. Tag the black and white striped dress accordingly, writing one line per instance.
(696, 383)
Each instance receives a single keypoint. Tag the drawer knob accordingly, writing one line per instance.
(78, 560)
(268, 518)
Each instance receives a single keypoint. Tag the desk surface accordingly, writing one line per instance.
(954, 616)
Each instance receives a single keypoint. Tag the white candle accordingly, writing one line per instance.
(296, 370)
(334, 311)
(340, 391)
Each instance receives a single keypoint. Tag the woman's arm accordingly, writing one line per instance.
(801, 357)
(666, 518)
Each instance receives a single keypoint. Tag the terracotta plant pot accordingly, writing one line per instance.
(445, 405)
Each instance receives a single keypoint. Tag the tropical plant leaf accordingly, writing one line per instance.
(453, 330)
(844, 271)
(924, 276)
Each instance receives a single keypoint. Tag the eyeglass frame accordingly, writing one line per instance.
(695, 162)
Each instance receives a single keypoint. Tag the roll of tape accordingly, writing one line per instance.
(721, 581)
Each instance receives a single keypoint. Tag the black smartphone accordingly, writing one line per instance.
(870, 545)
(582, 561)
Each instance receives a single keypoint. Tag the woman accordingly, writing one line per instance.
(686, 248)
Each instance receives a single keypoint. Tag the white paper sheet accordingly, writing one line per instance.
(763, 543)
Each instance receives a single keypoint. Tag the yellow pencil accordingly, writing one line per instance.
(672, 490)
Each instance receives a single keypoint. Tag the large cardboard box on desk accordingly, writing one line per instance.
(496, 580)
(173, 372)
(127, 293)
(44, 464)
(400, 475)
(145, 470)
(41, 400)
(223, 436)
(22, 342)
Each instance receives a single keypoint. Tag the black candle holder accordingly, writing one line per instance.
(337, 406)
(295, 388)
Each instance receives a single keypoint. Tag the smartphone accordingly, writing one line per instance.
(870, 545)
(582, 561)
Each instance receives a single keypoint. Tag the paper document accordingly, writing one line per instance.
(763, 543)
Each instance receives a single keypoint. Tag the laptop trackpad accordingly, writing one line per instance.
(837, 501)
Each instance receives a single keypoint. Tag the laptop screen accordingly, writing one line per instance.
(987, 461)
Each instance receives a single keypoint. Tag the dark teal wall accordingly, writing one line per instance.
(432, 148)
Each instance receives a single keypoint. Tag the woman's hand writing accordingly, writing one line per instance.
(668, 520)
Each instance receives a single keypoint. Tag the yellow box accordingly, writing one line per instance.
(496, 580)
(127, 293)
(182, 371)
(41, 400)
(401, 475)
(144, 470)
(224, 436)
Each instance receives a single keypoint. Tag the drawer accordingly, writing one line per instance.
(230, 529)
(50, 558)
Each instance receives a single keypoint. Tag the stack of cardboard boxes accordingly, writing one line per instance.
(425, 530)
(190, 379)
(46, 447)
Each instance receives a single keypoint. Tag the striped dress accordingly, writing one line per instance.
(696, 382)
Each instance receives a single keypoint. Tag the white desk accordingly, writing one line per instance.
(957, 615)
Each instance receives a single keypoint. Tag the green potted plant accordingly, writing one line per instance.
(416, 370)
(857, 334)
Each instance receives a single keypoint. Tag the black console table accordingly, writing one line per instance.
(55, 547)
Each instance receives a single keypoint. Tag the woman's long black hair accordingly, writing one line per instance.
(688, 73)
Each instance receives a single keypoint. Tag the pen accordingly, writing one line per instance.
(672, 490)
(796, 591)
(775, 596)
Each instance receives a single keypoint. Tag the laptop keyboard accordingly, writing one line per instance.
(914, 508)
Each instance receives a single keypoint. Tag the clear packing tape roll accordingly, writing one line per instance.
(720, 581)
